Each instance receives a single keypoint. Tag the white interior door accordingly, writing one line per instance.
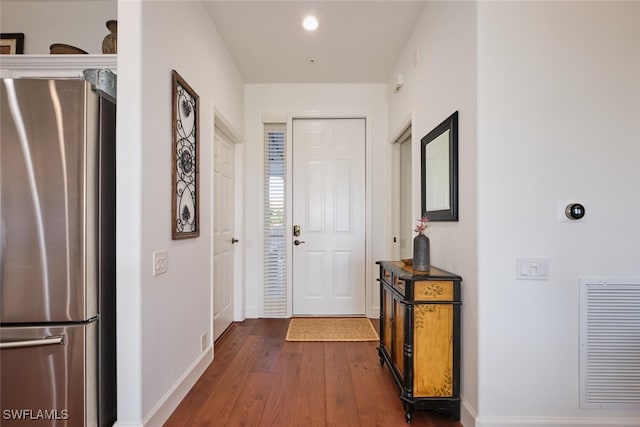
(329, 208)
(223, 229)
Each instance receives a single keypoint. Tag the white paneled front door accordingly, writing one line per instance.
(223, 229)
(329, 208)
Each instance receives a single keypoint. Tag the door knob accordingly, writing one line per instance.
(234, 240)
(298, 242)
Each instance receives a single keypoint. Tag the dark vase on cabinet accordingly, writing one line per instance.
(420, 336)
(421, 256)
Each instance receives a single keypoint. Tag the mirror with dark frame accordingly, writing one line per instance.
(439, 163)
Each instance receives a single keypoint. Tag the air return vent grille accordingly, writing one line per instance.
(610, 343)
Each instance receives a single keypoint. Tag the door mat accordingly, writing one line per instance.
(331, 329)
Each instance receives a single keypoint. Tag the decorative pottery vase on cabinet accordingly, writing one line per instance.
(110, 42)
(420, 336)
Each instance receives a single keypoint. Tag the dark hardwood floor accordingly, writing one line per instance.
(258, 379)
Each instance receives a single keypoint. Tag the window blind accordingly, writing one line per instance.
(275, 209)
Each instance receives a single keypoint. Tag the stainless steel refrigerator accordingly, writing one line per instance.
(57, 251)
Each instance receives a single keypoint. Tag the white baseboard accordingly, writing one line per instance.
(170, 401)
(468, 414)
(555, 422)
(469, 418)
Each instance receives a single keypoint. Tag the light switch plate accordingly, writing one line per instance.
(528, 268)
(160, 262)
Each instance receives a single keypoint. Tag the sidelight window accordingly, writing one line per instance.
(275, 209)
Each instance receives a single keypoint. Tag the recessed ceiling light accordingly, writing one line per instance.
(310, 23)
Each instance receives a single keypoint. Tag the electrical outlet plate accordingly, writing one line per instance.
(203, 342)
(160, 262)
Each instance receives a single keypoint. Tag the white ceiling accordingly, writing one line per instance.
(356, 42)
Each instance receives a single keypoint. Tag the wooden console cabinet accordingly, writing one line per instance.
(420, 336)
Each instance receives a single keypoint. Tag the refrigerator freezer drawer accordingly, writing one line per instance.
(48, 376)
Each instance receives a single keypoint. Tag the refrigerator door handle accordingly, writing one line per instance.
(52, 340)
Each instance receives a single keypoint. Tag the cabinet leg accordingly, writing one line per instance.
(407, 412)
(454, 415)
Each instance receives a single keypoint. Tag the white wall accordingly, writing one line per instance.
(162, 318)
(558, 119)
(318, 100)
(129, 215)
(78, 23)
(443, 81)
